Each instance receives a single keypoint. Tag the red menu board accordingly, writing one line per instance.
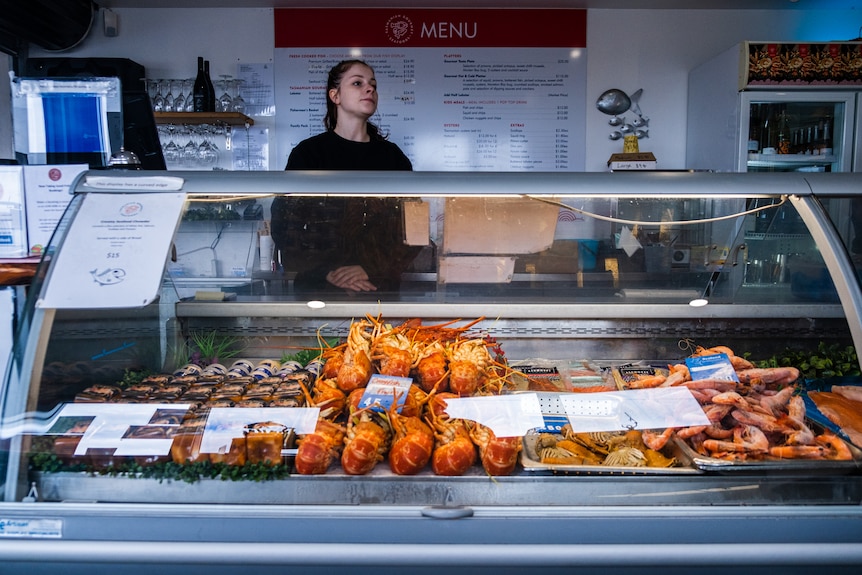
(460, 89)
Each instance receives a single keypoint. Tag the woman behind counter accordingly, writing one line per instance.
(356, 244)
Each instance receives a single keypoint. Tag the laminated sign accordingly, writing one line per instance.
(114, 253)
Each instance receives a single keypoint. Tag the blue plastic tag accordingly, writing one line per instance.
(716, 366)
(383, 389)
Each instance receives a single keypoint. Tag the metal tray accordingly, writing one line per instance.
(774, 466)
(531, 462)
(813, 413)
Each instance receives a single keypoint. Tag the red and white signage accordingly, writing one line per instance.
(460, 89)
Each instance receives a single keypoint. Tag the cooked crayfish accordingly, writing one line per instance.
(430, 344)
(326, 396)
(355, 371)
(366, 442)
(391, 350)
(498, 455)
(413, 444)
(454, 452)
(468, 360)
(431, 368)
(317, 450)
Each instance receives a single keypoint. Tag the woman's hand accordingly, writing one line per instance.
(351, 278)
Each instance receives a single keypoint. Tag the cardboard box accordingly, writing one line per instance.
(13, 224)
(47, 193)
(476, 269)
(417, 223)
(495, 226)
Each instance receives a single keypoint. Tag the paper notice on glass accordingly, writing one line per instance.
(656, 408)
(114, 253)
(47, 195)
(505, 415)
(628, 242)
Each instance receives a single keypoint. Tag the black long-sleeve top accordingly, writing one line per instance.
(317, 235)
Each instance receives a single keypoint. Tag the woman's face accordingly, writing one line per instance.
(357, 93)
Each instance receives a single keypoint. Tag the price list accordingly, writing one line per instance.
(477, 109)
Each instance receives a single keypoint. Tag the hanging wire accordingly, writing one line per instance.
(663, 222)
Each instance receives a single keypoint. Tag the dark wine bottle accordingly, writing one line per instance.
(210, 88)
(202, 99)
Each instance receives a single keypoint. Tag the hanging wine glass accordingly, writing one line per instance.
(225, 100)
(238, 104)
(182, 135)
(207, 151)
(190, 149)
(171, 151)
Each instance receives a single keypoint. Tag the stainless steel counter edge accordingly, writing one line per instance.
(407, 555)
(596, 184)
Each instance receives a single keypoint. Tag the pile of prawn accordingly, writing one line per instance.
(760, 417)
(444, 362)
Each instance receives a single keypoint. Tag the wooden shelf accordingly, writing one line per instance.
(18, 271)
(196, 118)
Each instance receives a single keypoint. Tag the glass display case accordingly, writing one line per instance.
(613, 372)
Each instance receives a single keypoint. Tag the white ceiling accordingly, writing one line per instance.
(592, 4)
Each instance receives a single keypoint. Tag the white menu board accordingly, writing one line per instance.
(114, 255)
(47, 194)
(456, 92)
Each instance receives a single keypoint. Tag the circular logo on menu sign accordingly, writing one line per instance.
(54, 174)
(131, 209)
(399, 29)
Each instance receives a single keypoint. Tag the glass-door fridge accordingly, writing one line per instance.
(776, 107)
(795, 131)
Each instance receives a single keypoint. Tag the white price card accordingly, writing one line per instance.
(506, 415)
(114, 253)
(225, 423)
(112, 426)
(655, 408)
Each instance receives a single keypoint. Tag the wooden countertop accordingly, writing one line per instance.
(18, 271)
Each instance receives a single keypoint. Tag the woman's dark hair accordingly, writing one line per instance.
(334, 81)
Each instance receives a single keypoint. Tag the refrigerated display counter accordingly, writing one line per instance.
(631, 365)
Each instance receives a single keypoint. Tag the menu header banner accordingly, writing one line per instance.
(431, 28)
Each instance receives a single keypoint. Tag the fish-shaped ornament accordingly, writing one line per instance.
(613, 102)
(108, 276)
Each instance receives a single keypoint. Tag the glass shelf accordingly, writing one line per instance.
(788, 160)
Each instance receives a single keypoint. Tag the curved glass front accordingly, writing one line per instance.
(576, 328)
